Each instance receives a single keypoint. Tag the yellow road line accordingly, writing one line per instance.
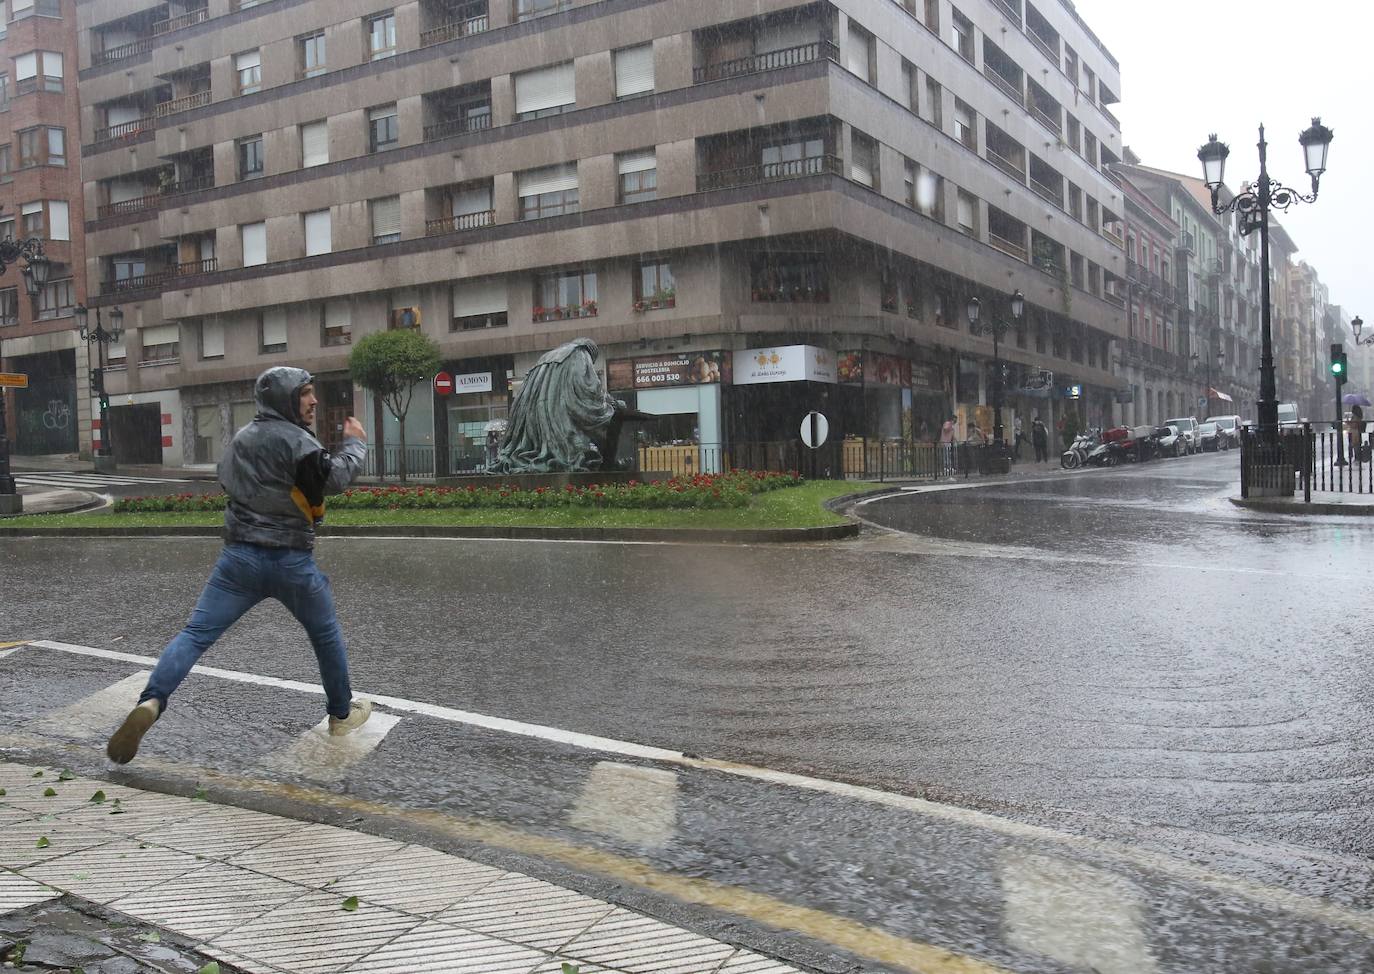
(12, 645)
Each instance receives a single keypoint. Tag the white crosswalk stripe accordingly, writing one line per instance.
(97, 714)
(87, 481)
(317, 756)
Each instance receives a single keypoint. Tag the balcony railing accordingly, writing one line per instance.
(1134, 272)
(1013, 90)
(133, 49)
(449, 32)
(457, 126)
(1047, 47)
(186, 268)
(1006, 165)
(182, 104)
(1048, 192)
(464, 221)
(188, 19)
(1109, 116)
(1017, 250)
(192, 185)
(1050, 122)
(136, 205)
(1012, 9)
(770, 61)
(141, 282)
(1114, 298)
(770, 172)
(124, 130)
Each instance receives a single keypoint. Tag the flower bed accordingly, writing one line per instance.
(702, 491)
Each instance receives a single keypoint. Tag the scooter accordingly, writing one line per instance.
(1077, 453)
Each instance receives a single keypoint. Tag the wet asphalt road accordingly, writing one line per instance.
(1121, 656)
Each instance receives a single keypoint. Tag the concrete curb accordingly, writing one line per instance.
(1271, 506)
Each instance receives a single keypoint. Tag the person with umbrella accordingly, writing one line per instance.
(1355, 427)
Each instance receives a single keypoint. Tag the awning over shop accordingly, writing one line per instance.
(1213, 394)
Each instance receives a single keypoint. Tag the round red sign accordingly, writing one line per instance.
(443, 383)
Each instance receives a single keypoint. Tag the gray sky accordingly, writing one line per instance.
(1196, 67)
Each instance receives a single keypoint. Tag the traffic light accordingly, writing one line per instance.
(104, 402)
(1338, 362)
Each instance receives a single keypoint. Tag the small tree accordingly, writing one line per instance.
(391, 364)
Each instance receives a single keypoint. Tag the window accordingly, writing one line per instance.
(38, 70)
(381, 36)
(45, 146)
(858, 57)
(961, 37)
(964, 125)
(910, 92)
(863, 160)
(933, 15)
(529, 9)
(545, 91)
(383, 128)
(1075, 135)
(654, 286)
(1075, 202)
(272, 331)
(792, 159)
(634, 71)
(925, 191)
(19, 9)
(888, 289)
(479, 304)
(386, 219)
(250, 157)
(638, 176)
(9, 306)
(336, 323)
(57, 146)
(161, 344)
(318, 235)
(31, 219)
(254, 239)
(310, 54)
(248, 69)
(58, 228)
(129, 271)
(314, 144)
(212, 339)
(935, 101)
(58, 298)
(1090, 147)
(4, 91)
(565, 294)
(789, 277)
(28, 148)
(209, 445)
(968, 213)
(6, 165)
(909, 182)
(551, 191)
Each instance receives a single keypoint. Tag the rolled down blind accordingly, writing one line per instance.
(17, 5)
(120, 114)
(160, 335)
(479, 297)
(386, 216)
(26, 66)
(318, 239)
(965, 211)
(52, 64)
(314, 144)
(634, 70)
(274, 327)
(637, 161)
(211, 339)
(784, 36)
(545, 88)
(254, 244)
(468, 201)
(250, 59)
(338, 314)
(550, 179)
(856, 58)
(57, 220)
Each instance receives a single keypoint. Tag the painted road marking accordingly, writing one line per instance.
(9, 649)
(90, 479)
(628, 802)
(1275, 898)
(317, 756)
(96, 715)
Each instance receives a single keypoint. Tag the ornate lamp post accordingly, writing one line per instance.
(1207, 363)
(1254, 206)
(100, 337)
(1356, 326)
(35, 272)
(997, 328)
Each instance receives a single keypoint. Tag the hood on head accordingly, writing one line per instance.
(276, 392)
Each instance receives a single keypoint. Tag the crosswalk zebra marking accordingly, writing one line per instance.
(628, 802)
(317, 756)
(59, 478)
(95, 715)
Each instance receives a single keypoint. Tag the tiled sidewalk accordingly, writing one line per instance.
(268, 894)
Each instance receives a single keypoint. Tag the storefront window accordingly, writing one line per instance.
(475, 424)
(242, 414)
(209, 444)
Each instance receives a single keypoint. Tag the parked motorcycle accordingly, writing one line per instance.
(1077, 453)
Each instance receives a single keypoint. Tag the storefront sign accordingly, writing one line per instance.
(786, 363)
(927, 378)
(472, 382)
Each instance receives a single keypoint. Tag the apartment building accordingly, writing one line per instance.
(41, 196)
(1150, 361)
(754, 208)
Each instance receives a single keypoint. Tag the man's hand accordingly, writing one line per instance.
(354, 428)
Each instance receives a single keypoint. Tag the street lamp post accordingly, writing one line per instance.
(1356, 326)
(35, 273)
(1207, 365)
(101, 338)
(997, 328)
(1254, 206)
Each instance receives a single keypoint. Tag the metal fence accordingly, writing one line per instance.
(1306, 459)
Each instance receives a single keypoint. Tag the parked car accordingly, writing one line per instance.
(1288, 414)
(1229, 426)
(1187, 425)
(1169, 441)
(1211, 437)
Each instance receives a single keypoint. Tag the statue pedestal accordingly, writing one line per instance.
(554, 481)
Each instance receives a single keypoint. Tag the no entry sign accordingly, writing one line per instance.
(443, 384)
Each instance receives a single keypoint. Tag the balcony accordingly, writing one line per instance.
(187, 268)
(1047, 192)
(1135, 273)
(458, 126)
(1012, 89)
(465, 221)
(123, 207)
(770, 172)
(190, 185)
(1011, 8)
(769, 61)
(1006, 165)
(183, 104)
(453, 31)
(124, 130)
(188, 19)
(142, 282)
(1009, 247)
(133, 49)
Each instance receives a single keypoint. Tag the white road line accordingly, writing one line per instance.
(1322, 910)
(317, 756)
(628, 802)
(97, 714)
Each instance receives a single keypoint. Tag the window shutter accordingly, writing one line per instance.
(634, 70)
(26, 66)
(160, 335)
(545, 88)
(470, 201)
(550, 179)
(52, 64)
(637, 161)
(861, 167)
(118, 351)
(17, 5)
(314, 144)
(785, 36)
(479, 297)
(27, 208)
(249, 59)
(57, 220)
(125, 189)
(254, 244)
(965, 211)
(318, 239)
(212, 339)
(274, 327)
(338, 314)
(120, 114)
(386, 216)
(856, 58)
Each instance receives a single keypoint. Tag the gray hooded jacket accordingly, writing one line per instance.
(277, 474)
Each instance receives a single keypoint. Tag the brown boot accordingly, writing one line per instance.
(124, 744)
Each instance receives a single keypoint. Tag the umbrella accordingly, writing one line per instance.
(1355, 399)
(496, 426)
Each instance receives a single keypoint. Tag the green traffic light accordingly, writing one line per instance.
(1337, 368)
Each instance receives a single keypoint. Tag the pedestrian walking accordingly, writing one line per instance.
(1019, 438)
(1040, 439)
(276, 475)
(1355, 432)
(947, 434)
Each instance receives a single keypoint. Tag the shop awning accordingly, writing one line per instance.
(1213, 394)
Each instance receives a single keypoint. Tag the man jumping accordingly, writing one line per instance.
(276, 475)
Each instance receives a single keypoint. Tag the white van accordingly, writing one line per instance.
(1228, 427)
(1288, 414)
(1187, 426)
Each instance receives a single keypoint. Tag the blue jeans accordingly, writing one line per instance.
(245, 575)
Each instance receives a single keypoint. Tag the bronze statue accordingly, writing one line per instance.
(561, 419)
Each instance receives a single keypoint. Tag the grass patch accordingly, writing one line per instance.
(789, 507)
